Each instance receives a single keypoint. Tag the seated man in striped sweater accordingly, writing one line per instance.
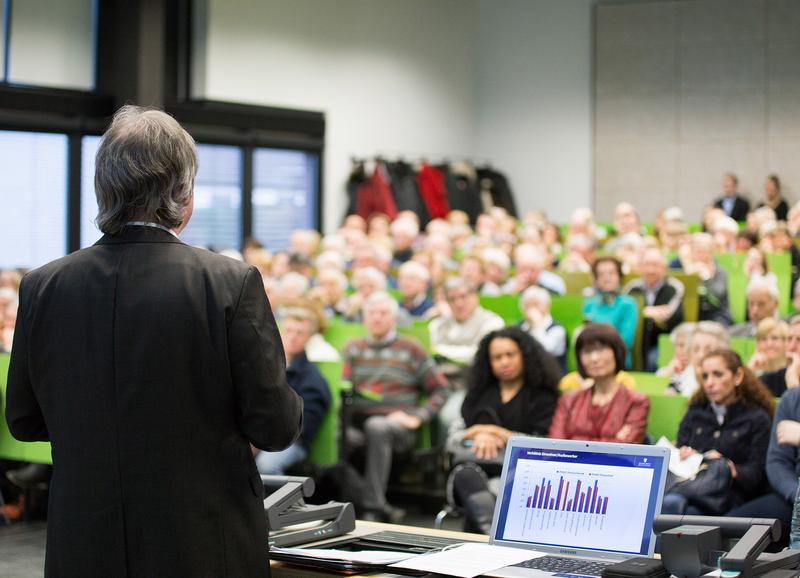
(390, 374)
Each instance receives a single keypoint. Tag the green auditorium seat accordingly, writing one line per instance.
(325, 447)
(418, 330)
(781, 265)
(568, 311)
(744, 346)
(576, 282)
(11, 449)
(649, 383)
(666, 413)
(506, 306)
(339, 332)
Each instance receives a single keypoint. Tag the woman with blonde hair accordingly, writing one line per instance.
(770, 355)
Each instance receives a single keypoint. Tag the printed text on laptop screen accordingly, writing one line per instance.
(574, 499)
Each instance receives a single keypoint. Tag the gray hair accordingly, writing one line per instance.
(144, 170)
(380, 297)
(536, 294)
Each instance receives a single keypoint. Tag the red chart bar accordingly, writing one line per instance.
(594, 497)
(605, 504)
(569, 505)
(528, 504)
(535, 497)
(552, 502)
(541, 494)
(588, 500)
(577, 493)
(580, 506)
(564, 502)
(547, 496)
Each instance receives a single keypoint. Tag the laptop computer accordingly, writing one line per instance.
(584, 505)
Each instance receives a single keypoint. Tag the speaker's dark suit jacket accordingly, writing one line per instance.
(151, 366)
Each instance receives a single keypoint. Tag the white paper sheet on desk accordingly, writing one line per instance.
(687, 468)
(468, 560)
(367, 556)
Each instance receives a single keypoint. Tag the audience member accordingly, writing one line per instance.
(762, 303)
(473, 269)
(530, 263)
(713, 293)
(773, 199)
(513, 390)
(404, 234)
(663, 299)
(535, 305)
(782, 467)
(331, 291)
(770, 353)
(298, 324)
(413, 280)
(608, 305)
(390, 374)
(366, 281)
(788, 376)
(755, 266)
(497, 266)
(626, 222)
(734, 205)
(580, 255)
(606, 411)
(456, 336)
(706, 337)
(679, 338)
(729, 418)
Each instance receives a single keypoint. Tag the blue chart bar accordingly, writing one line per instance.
(555, 495)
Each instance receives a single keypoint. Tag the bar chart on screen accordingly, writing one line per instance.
(579, 505)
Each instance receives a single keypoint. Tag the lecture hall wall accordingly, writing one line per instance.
(504, 80)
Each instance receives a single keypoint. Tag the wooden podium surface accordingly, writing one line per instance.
(281, 570)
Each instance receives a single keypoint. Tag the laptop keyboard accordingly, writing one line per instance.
(558, 565)
(416, 540)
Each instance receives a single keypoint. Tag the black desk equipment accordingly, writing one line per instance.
(291, 521)
(689, 542)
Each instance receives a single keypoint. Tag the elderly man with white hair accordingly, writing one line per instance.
(412, 281)
(535, 306)
(762, 302)
(404, 232)
(390, 374)
(531, 264)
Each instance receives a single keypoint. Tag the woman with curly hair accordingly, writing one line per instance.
(729, 418)
(513, 389)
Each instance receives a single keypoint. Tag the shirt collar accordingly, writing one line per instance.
(150, 224)
(387, 339)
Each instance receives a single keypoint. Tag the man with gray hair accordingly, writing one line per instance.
(390, 374)
(151, 367)
(762, 302)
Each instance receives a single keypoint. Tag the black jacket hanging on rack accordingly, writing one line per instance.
(497, 186)
(406, 193)
(354, 182)
(462, 189)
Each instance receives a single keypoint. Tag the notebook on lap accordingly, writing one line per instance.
(582, 504)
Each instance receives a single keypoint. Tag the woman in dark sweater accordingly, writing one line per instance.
(513, 389)
(729, 418)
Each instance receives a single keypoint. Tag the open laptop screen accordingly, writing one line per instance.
(584, 500)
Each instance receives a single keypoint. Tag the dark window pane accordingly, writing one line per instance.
(33, 194)
(285, 195)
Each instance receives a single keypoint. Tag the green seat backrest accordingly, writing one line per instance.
(568, 311)
(649, 383)
(325, 447)
(744, 346)
(665, 350)
(338, 333)
(576, 282)
(418, 331)
(666, 413)
(781, 265)
(506, 306)
(11, 449)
